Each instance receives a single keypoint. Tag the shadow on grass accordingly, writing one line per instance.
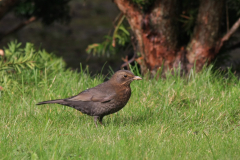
(118, 119)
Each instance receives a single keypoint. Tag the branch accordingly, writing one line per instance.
(131, 12)
(119, 22)
(19, 26)
(126, 64)
(227, 35)
(125, 6)
(134, 18)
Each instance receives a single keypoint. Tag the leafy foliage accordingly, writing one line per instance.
(27, 59)
(17, 58)
(121, 38)
(47, 11)
(112, 44)
(188, 16)
(102, 48)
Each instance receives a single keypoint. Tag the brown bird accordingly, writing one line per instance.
(104, 99)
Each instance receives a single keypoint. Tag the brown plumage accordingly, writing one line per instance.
(104, 99)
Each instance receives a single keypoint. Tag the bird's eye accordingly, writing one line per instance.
(125, 75)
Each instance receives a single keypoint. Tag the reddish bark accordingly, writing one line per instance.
(206, 33)
(157, 34)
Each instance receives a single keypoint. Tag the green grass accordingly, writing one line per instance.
(196, 117)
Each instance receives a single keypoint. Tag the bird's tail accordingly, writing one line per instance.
(59, 101)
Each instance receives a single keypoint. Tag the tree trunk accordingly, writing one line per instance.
(201, 48)
(157, 34)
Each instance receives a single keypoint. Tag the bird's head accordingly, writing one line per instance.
(124, 77)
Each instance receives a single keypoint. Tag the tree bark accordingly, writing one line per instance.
(201, 49)
(157, 34)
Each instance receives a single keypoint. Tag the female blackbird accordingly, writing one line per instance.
(104, 99)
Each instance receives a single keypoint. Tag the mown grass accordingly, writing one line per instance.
(196, 117)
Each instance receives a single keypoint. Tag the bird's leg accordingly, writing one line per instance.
(95, 120)
(100, 120)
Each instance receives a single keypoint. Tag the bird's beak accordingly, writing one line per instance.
(137, 78)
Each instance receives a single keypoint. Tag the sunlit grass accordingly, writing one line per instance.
(196, 117)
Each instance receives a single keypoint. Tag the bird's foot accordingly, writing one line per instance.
(99, 119)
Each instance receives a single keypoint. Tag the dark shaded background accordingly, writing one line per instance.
(90, 21)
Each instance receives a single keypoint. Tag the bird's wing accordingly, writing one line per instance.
(93, 95)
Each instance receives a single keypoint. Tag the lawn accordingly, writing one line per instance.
(195, 117)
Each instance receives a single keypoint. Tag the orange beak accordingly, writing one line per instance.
(137, 78)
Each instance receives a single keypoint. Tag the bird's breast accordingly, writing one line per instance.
(124, 95)
(117, 103)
